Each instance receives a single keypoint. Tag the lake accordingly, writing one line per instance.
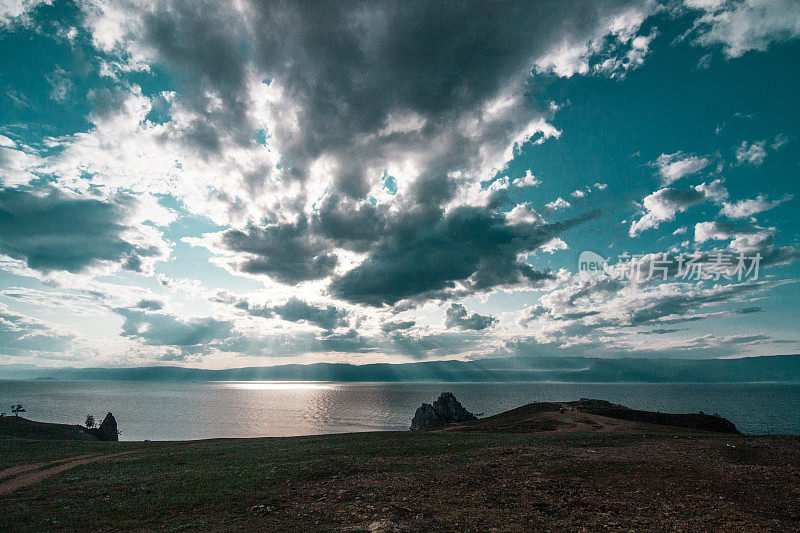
(180, 411)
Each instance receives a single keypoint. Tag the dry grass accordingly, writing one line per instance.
(471, 481)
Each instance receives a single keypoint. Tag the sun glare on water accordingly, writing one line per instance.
(278, 385)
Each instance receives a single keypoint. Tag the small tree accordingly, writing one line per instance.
(17, 409)
(90, 421)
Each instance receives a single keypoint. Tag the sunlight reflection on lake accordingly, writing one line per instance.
(278, 385)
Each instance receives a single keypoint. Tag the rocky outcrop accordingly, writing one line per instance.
(107, 429)
(444, 411)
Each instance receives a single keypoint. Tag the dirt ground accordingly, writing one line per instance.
(547, 474)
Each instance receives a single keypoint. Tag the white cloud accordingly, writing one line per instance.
(578, 193)
(673, 167)
(745, 25)
(664, 204)
(566, 60)
(17, 165)
(61, 85)
(751, 154)
(523, 214)
(23, 335)
(554, 245)
(18, 11)
(557, 204)
(714, 191)
(704, 231)
(742, 239)
(402, 123)
(601, 310)
(616, 47)
(751, 206)
(125, 151)
(528, 180)
(780, 141)
(708, 5)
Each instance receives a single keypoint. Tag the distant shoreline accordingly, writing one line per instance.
(421, 382)
(761, 369)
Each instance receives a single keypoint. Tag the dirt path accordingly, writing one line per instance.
(16, 470)
(22, 476)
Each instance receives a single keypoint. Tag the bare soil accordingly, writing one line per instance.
(527, 471)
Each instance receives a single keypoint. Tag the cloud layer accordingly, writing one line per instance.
(212, 181)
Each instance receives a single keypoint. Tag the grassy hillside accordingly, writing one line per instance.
(12, 426)
(409, 481)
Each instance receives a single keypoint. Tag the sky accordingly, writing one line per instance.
(228, 184)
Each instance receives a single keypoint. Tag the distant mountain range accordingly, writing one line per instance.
(779, 368)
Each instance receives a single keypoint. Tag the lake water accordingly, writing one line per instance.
(179, 411)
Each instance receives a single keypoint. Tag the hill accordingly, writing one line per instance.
(17, 426)
(587, 415)
(779, 368)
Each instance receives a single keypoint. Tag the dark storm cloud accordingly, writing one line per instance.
(204, 43)
(418, 251)
(52, 231)
(350, 224)
(388, 327)
(660, 331)
(289, 253)
(303, 251)
(344, 70)
(150, 305)
(745, 339)
(469, 244)
(458, 317)
(749, 310)
(294, 310)
(351, 63)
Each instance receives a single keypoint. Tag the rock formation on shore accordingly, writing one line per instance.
(107, 429)
(444, 411)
